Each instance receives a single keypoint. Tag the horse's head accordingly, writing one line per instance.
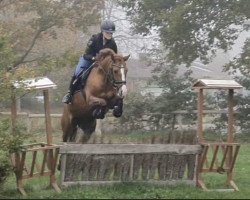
(115, 68)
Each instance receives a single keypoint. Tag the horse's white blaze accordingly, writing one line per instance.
(123, 91)
(123, 73)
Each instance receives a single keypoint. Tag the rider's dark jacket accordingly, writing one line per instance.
(96, 43)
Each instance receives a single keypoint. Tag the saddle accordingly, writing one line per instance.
(80, 81)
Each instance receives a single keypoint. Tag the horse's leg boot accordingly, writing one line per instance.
(98, 113)
(118, 108)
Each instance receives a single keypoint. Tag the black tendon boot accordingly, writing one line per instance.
(68, 97)
(118, 108)
(98, 113)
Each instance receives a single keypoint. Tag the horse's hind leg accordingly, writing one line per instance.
(82, 138)
(69, 131)
(68, 136)
(86, 132)
(69, 127)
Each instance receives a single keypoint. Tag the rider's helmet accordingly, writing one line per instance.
(108, 26)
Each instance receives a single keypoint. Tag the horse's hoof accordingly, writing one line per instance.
(117, 113)
(102, 116)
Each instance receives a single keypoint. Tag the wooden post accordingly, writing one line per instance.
(52, 158)
(200, 116)
(229, 148)
(230, 137)
(50, 151)
(47, 117)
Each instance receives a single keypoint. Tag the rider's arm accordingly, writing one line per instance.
(90, 49)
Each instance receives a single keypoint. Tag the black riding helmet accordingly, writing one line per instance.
(108, 26)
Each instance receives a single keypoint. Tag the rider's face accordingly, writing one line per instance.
(107, 35)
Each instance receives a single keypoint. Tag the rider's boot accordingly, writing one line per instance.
(118, 108)
(68, 97)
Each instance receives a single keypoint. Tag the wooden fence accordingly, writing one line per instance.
(90, 164)
(33, 122)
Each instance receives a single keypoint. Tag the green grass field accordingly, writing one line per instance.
(38, 188)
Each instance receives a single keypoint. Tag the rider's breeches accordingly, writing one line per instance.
(83, 64)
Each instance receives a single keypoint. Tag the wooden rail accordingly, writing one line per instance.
(113, 163)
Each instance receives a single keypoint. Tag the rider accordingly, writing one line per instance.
(96, 43)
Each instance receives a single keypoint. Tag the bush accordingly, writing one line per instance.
(9, 143)
(5, 166)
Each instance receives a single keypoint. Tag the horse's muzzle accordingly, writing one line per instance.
(122, 91)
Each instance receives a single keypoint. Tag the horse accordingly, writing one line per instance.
(103, 90)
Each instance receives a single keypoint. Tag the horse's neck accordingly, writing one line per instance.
(98, 86)
(98, 78)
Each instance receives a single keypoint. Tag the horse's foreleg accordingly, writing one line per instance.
(95, 101)
(98, 107)
(117, 105)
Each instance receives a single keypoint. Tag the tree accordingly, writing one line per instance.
(190, 29)
(241, 65)
(126, 40)
(193, 30)
(30, 45)
(32, 26)
(7, 58)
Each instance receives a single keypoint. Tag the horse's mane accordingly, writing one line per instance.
(104, 53)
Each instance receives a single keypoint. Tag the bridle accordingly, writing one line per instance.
(110, 76)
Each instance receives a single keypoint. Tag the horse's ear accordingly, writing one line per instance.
(126, 57)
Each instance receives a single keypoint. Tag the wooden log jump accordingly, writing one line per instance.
(90, 164)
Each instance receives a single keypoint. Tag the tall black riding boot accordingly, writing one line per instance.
(68, 97)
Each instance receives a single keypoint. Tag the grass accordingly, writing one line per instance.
(38, 188)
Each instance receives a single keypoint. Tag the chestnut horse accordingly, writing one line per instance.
(104, 87)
